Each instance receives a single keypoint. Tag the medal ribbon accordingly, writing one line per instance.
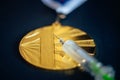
(63, 6)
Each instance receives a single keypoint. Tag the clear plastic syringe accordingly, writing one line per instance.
(89, 63)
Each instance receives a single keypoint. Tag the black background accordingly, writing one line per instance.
(99, 18)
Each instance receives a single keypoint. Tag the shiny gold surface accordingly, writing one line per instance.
(41, 48)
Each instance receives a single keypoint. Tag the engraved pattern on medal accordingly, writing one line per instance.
(41, 48)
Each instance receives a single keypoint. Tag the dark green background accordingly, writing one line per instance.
(99, 18)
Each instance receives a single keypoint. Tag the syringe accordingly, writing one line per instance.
(89, 63)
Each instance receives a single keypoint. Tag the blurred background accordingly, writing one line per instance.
(99, 18)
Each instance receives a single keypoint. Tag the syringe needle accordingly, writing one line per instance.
(60, 39)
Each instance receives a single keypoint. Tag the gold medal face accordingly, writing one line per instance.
(41, 48)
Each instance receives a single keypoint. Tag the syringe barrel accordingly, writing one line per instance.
(89, 63)
(76, 52)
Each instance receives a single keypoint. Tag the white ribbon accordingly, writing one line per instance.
(67, 8)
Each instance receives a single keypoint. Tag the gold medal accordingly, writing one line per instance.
(41, 48)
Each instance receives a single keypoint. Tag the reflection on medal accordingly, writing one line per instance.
(41, 48)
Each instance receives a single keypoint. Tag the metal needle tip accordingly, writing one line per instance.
(60, 39)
